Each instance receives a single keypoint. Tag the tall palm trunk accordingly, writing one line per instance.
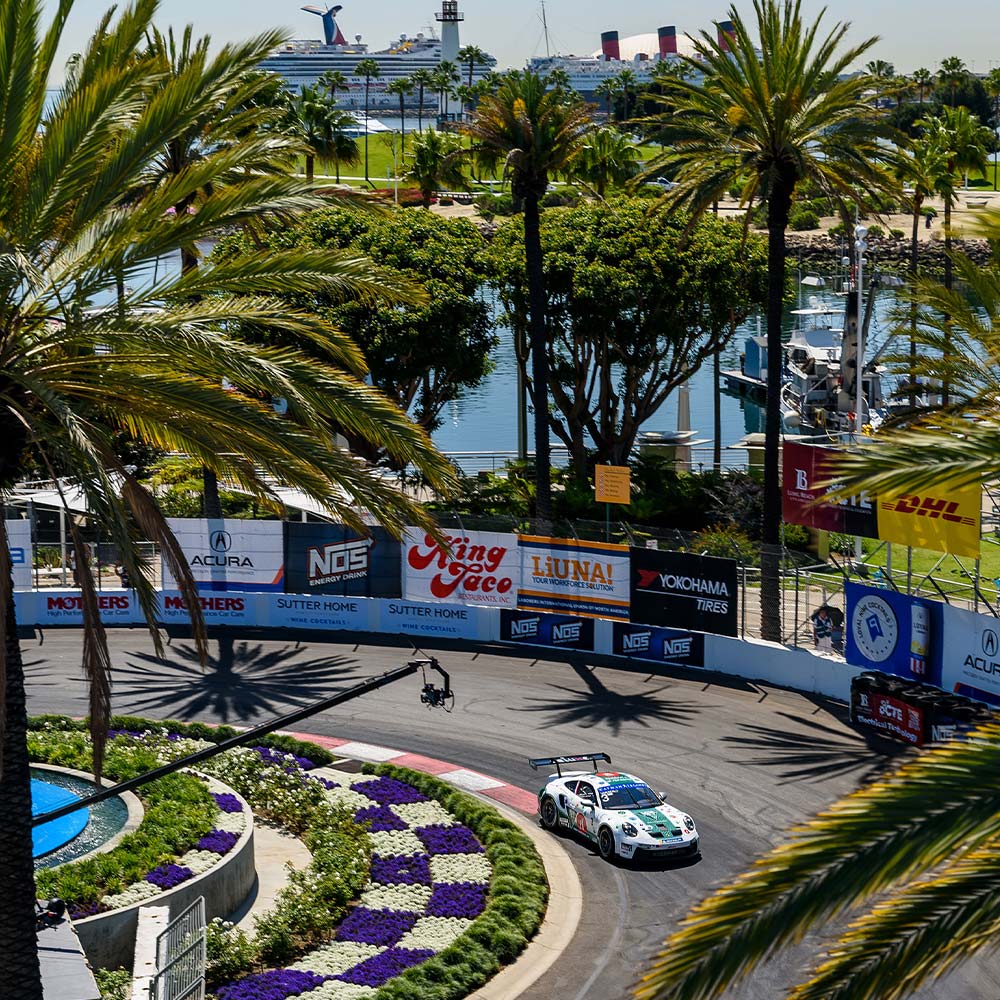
(310, 168)
(402, 126)
(948, 282)
(538, 345)
(778, 209)
(367, 93)
(914, 264)
(22, 978)
(420, 109)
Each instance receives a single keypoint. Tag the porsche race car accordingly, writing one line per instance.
(617, 811)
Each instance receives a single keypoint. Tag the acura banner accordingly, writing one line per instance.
(230, 554)
(333, 559)
(684, 591)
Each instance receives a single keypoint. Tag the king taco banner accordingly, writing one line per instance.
(569, 576)
(472, 567)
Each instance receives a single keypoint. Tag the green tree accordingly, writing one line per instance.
(436, 162)
(343, 146)
(535, 134)
(628, 82)
(559, 79)
(952, 74)
(369, 70)
(312, 117)
(764, 127)
(446, 78)
(609, 89)
(401, 88)
(423, 80)
(635, 304)
(422, 355)
(992, 85)
(609, 157)
(472, 57)
(334, 81)
(922, 79)
(73, 377)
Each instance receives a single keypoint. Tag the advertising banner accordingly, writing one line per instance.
(970, 655)
(444, 621)
(804, 468)
(19, 543)
(888, 715)
(661, 645)
(894, 633)
(942, 518)
(574, 577)
(476, 567)
(534, 629)
(230, 554)
(684, 591)
(334, 559)
(336, 614)
(65, 607)
(243, 610)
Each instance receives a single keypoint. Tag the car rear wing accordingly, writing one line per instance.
(574, 759)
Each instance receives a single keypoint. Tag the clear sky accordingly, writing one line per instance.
(914, 32)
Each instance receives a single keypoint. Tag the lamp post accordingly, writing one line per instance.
(860, 245)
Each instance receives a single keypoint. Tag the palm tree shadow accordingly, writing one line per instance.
(821, 753)
(243, 681)
(599, 705)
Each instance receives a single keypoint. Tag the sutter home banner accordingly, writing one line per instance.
(684, 591)
(569, 576)
(230, 554)
(473, 567)
(334, 559)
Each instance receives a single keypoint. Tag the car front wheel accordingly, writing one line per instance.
(606, 844)
(550, 815)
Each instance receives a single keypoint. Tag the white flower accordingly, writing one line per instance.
(199, 861)
(415, 814)
(435, 933)
(341, 777)
(337, 957)
(408, 898)
(230, 822)
(349, 799)
(340, 991)
(389, 843)
(135, 893)
(460, 868)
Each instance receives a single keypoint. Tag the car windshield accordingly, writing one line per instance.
(633, 796)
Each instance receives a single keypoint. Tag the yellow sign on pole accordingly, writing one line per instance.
(613, 484)
(945, 519)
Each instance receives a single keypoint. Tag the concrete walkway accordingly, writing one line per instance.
(274, 850)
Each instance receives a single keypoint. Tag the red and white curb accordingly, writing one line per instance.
(460, 777)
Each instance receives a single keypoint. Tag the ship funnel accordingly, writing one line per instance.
(331, 30)
(727, 32)
(610, 45)
(668, 41)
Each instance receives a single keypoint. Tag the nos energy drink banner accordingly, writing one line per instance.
(560, 631)
(894, 633)
(660, 645)
(333, 559)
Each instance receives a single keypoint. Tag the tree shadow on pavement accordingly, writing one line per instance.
(598, 705)
(243, 680)
(823, 752)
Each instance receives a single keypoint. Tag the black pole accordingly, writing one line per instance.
(373, 684)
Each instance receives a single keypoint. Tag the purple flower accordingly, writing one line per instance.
(381, 927)
(449, 840)
(379, 969)
(167, 876)
(458, 899)
(130, 733)
(389, 792)
(278, 984)
(381, 818)
(227, 803)
(218, 842)
(326, 783)
(287, 761)
(402, 869)
(78, 911)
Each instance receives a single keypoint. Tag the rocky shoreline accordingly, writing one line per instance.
(886, 251)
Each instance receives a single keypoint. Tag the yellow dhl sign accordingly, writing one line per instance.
(944, 523)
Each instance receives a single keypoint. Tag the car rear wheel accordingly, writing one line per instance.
(550, 815)
(606, 844)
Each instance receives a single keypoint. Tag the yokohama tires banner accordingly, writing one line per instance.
(477, 567)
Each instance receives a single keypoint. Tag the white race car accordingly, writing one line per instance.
(617, 811)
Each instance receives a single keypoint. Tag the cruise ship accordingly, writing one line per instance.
(302, 63)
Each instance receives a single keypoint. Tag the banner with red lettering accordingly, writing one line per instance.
(475, 567)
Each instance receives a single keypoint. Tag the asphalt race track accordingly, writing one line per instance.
(745, 761)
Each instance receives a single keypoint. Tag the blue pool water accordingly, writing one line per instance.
(44, 798)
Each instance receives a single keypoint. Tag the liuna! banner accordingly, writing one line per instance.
(574, 577)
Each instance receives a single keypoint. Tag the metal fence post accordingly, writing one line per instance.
(795, 624)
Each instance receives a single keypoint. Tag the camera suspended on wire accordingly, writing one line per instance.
(436, 697)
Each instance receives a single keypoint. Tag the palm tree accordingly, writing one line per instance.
(435, 162)
(369, 69)
(472, 56)
(402, 87)
(765, 126)
(922, 79)
(609, 89)
(334, 81)
(536, 134)
(343, 148)
(73, 378)
(559, 79)
(627, 82)
(609, 157)
(422, 79)
(446, 76)
(311, 116)
(992, 84)
(912, 859)
(952, 73)
(884, 76)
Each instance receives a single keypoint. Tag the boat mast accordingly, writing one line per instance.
(545, 26)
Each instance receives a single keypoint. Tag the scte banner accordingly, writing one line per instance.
(970, 655)
(662, 645)
(887, 714)
(230, 554)
(474, 567)
(216, 609)
(445, 621)
(66, 607)
(19, 544)
(337, 614)
(684, 591)
(574, 577)
(559, 631)
(334, 559)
